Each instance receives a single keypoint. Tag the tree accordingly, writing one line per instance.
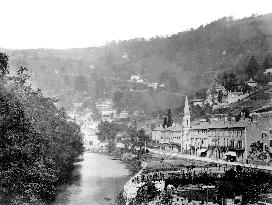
(252, 67)
(118, 100)
(256, 148)
(267, 62)
(38, 145)
(169, 118)
(132, 137)
(100, 86)
(142, 138)
(220, 96)
(146, 193)
(107, 132)
(96, 116)
(3, 65)
(164, 122)
(229, 80)
(201, 93)
(80, 84)
(170, 81)
(166, 197)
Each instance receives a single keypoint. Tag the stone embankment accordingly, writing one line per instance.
(158, 177)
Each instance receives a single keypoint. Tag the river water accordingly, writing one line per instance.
(96, 180)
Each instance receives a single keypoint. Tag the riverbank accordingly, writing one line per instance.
(230, 181)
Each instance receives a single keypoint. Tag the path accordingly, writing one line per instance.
(217, 161)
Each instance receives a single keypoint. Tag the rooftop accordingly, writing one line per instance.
(222, 125)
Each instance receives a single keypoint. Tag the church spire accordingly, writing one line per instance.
(186, 117)
(186, 107)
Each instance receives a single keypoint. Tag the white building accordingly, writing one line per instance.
(105, 104)
(153, 85)
(199, 102)
(137, 78)
(268, 71)
(108, 114)
(251, 83)
(124, 114)
(235, 96)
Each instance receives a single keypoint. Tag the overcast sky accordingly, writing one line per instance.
(85, 23)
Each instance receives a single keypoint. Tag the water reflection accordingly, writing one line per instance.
(95, 179)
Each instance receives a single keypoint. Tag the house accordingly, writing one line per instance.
(137, 78)
(209, 97)
(235, 96)
(218, 138)
(213, 93)
(251, 83)
(108, 114)
(268, 71)
(77, 104)
(153, 85)
(89, 130)
(196, 102)
(124, 114)
(104, 104)
(162, 86)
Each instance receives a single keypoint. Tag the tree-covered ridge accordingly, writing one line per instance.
(38, 144)
(194, 57)
(202, 53)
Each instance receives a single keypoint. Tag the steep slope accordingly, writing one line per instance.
(195, 57)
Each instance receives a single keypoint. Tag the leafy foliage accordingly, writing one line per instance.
(169, 80)
(3, 65)
(38, 145)
(252, 67)
(80, 84)
(146, 193)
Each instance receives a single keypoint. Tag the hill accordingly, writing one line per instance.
(194, 57)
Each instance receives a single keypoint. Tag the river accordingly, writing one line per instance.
(95, 180)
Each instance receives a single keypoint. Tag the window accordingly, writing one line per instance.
(240, 144)
(232, 143)
(270, 131)
(270, 143)
(263, 135)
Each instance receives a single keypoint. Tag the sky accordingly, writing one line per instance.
(61, 24)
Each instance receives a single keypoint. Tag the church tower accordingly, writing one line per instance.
(186, 118)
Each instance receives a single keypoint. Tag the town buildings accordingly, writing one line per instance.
(218, 138)
(199, 102)
(217, 96)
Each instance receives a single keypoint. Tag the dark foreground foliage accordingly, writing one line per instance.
(38, 145)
